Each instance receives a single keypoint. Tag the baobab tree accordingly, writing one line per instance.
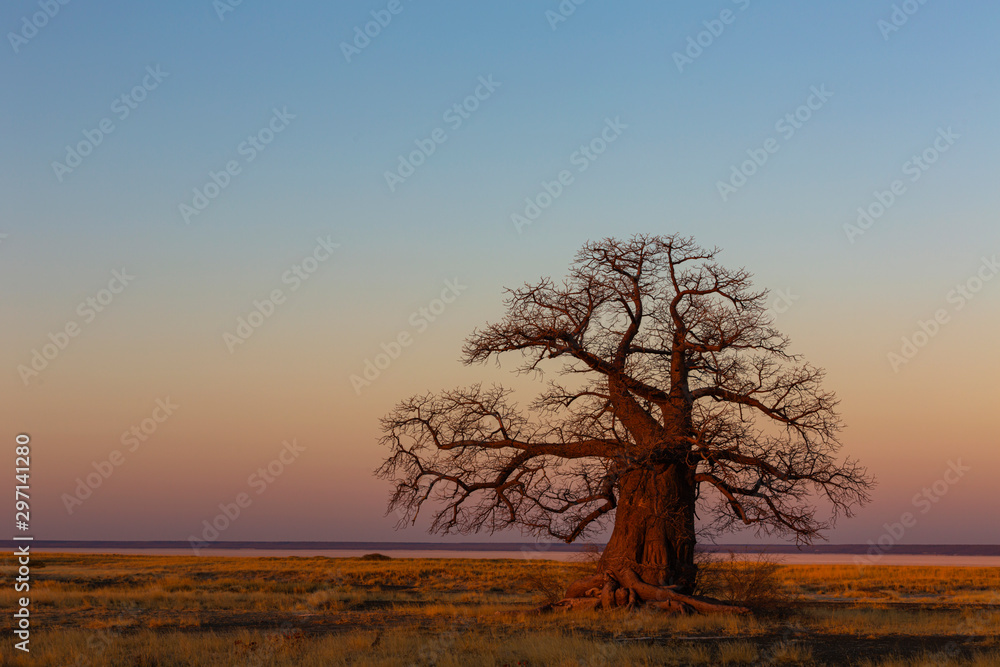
(676, 398)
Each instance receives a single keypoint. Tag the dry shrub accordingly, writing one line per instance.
(748, 579)
(545, 588)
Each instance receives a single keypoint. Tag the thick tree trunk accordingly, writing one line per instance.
(654, 532)
(649, 558)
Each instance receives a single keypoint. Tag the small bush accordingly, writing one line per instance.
(751, 580)
(546, 588)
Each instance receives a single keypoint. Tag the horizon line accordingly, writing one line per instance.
(354, 545)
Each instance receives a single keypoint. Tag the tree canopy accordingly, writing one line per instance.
(667, 387)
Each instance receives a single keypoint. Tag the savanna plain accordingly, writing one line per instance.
(159, 611)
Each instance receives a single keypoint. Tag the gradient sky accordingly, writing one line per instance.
(323, 177)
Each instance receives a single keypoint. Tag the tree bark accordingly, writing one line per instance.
(649, 558)
(654, 533)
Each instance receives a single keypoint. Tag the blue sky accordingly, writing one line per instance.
(324, 174)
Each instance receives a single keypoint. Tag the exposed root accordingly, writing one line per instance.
(670, 606)
(582, 587)
(627, 590)
(572, 604)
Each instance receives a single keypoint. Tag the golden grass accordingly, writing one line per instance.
(909, 583)
(157, 611)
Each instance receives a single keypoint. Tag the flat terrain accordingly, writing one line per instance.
(147, 611)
